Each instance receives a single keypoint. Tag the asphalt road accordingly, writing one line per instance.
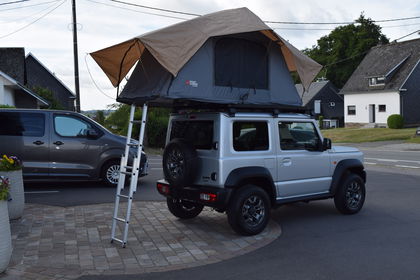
(381, 242)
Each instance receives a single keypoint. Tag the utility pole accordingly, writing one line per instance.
(76, 57)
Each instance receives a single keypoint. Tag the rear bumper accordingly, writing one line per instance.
(216, 197)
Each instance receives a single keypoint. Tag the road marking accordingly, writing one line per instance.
(394, 160)
(408, 166)
(372, 163)
(36, 192)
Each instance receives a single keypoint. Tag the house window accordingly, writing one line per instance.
(351, 110)
(376, 81)
(382, 108)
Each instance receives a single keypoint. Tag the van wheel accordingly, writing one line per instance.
(180, 162)
(350, 197)
(111, 173)
(249, 210)
(183, 209)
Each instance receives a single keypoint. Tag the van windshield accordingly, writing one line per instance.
(199, 133)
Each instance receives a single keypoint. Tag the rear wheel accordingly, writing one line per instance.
(111, 173)
(350, 197)
(183, 209)
(249, 210)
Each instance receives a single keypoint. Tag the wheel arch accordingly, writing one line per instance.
(343, 167)
(254, 175)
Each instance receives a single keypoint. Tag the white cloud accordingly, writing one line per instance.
(50, 39)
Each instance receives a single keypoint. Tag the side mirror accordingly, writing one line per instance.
(92, 133)
(326, 144)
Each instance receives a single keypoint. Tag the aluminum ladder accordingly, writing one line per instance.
(133, 172)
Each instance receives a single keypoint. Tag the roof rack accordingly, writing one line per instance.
(231, 109)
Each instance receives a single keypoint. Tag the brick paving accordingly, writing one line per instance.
(68, 242)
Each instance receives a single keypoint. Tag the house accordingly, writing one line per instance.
(20, 75)
(12, 90)
(386, 82)
(38, 75)
(323, 99)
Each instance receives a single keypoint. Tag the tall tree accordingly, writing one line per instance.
(343, 49)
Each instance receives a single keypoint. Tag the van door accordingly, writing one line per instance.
(25, 135)
(303, 169)
(73, 154)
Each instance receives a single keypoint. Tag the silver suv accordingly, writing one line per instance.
(244, 164)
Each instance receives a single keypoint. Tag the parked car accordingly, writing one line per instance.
(63, 145)
(246, 163)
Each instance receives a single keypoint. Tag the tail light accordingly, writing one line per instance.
(208, 197)
(163, 188)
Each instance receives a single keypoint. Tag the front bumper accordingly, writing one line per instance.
(209, 196)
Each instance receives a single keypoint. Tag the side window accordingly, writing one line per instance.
(68, 126)
(22, 124)
(298, 136)
(250, 136)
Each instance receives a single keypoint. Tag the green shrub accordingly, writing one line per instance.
(156, 131)
(321, 122)
(6, 106)
(395, 121)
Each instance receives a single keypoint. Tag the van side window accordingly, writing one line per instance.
(22, 124)
(250, 136)
(68, 126)
(298, 136)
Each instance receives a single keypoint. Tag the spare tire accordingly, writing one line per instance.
(180, 162)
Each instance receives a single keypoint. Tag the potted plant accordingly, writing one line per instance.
(11, 167)
(5, 235)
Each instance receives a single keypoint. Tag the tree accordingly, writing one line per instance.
(343, 49)
(49, 96)
(100, 117)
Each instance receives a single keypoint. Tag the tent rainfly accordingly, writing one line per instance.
(228, 57)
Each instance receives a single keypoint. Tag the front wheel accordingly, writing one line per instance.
(183, 209)
(249, 210)
(350, 197)
(111, 173)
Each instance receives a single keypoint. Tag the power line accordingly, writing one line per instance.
(32, 22)
(14, 2)
(33, 5)
(31, 15)
(137, 11)
(157, 9)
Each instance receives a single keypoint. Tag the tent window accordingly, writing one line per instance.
(241, 63)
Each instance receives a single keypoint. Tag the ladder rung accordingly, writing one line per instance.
(132, 145)
(128, 167)
(126, 173)
(125, 196)
(121, 220)
(136, 121)
(118, 240)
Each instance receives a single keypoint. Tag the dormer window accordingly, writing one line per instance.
(376, 81)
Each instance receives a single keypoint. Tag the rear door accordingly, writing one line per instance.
(73, 154)
(26, 135)
(303, 168)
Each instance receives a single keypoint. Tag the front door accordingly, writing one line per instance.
(303, 169)
(372, 113)
(26, 135)
(73, 154)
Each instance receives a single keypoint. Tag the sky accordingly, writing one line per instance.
(43, 28)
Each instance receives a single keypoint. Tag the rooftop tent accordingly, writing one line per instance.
(228, 57)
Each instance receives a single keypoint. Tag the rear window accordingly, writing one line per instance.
(199, 133)
(22, 124)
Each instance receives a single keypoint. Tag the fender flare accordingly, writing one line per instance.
(254, 175)
(353, 165)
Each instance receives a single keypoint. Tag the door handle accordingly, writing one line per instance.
(38, 142)
(58, 143)
(287, 161)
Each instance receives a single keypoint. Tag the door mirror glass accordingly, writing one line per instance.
(326, 144)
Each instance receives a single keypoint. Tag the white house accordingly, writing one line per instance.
(12, 93)
(386, 82)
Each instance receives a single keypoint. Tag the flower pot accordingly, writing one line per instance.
(5, 237)
(17, 203)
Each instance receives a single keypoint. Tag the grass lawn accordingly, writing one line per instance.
(358, 135)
